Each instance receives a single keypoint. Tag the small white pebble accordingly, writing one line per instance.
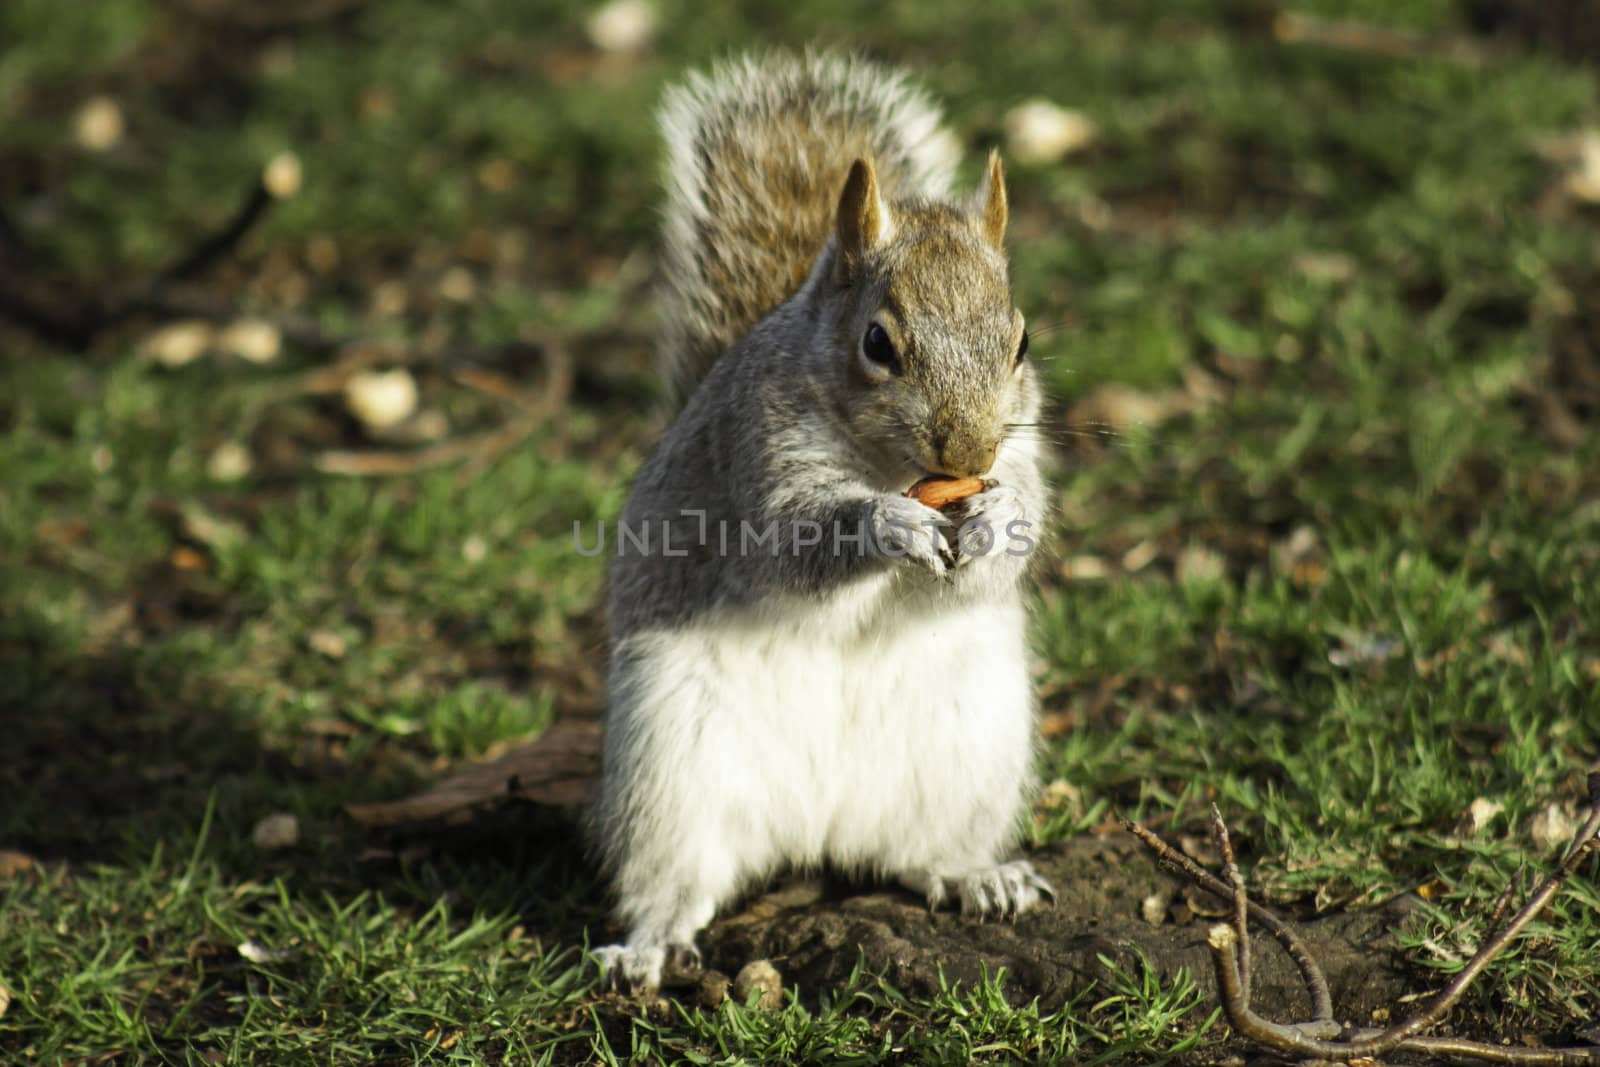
(230, 462)
(279, 830)
(622, 26)
(458, 285)
(763, 976)
(474, 548)
(98, 125)
(282, 176)
(254, 340)
(179, 343)
(1583, 181)
(381, 399)
(1038, 131)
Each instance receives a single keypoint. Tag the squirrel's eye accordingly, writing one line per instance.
(877, 347)
(1022, 348)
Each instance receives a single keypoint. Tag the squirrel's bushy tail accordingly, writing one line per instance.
(757, 153)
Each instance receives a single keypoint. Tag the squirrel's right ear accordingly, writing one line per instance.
(864, 221)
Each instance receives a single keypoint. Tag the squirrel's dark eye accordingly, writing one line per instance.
(1022, 348)
(876, 346)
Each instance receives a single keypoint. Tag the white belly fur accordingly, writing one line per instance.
(890, 745)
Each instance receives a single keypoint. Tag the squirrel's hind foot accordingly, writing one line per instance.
(642, 968)
(1007, 889)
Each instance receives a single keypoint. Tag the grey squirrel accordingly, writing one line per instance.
(807, 666)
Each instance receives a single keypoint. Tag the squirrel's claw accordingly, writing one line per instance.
(1005, 890)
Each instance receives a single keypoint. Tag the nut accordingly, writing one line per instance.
(939, 492)
(759, 976)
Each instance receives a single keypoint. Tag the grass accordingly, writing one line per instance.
(1339, 574)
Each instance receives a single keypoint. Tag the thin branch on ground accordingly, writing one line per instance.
(213, 246)
(75, 319)
(1230, 952)
(1368, 39)
(475, 453)
(1310, 971)
(1241, 902)
(262, 18)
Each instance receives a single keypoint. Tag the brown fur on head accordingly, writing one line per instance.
(930, 337)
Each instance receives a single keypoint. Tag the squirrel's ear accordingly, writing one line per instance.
(991, 201)
(864, 221)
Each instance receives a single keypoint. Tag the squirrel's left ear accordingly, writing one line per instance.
(990, 201)
(863, 218)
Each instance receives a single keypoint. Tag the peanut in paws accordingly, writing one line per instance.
(939, 492)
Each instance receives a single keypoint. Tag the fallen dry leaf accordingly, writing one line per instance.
(1551, 827)
(1120, 408)
(1197, 563)
(328, 643)
(13, 863)
(1482, 811)
(256, 952)
(1433, 890)
(184, 558)
(278, 830)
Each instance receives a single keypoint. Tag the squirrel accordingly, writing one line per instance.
(807, 666)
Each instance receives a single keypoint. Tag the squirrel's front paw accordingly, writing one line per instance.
(992, 522)
(904, 529)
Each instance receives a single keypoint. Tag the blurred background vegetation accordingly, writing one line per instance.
(321, 323)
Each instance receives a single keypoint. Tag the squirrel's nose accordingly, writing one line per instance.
(964, 455)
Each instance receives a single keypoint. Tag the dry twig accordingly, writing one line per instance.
(1310, 971)
(76, 319)
(1386, 41)
(478, 452)
(1230, 952)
